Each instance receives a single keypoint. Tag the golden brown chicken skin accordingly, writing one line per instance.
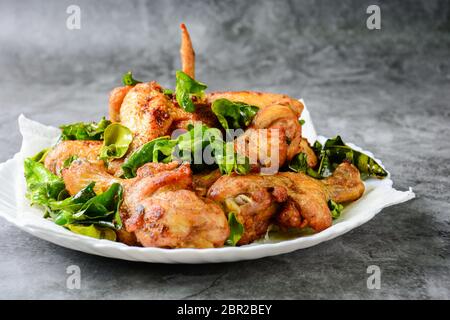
(88, 150)
(294, 199)
(277, 112)
(159, 208)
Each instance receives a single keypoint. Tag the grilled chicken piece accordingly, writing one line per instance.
(88, 150)
(295, 199)
(277, 112)
(159, 208)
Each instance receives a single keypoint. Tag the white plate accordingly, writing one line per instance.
(15, 209)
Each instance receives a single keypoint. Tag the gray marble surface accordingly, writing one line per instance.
(387, 90)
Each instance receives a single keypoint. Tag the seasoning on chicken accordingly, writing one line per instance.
(299, 200)
(159, 207)
(277, 112)
(64, 150)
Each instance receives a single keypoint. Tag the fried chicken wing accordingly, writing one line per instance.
(295, 200)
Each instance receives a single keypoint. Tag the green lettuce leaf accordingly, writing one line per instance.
(233, 115)
(236, 229)
(335, 209)
(93, 231)
(117, 140)
(84, 131)
(42, 185)
(185, 89)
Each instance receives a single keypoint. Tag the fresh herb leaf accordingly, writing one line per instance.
(168, 92)
(301, 121)
(233, 115)
(157, 150)
(335, 209)
(333, 153)
(189, 147)
(128, 80)
(84, 131)
(69, 161)
(42, 185)
(93, 231)
(236, 229)
(185, 89)
(40, 156)
(300, 164)
(117, 140)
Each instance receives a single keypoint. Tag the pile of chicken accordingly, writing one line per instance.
(168, 206)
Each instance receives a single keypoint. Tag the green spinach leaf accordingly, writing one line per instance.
(128, 80)
(84, 131)
(233, 115)
(185, 89)
(236, 229)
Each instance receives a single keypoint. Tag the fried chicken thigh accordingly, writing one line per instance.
(295, 200)
(159, 207)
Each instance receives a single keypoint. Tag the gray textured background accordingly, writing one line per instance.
(386, 90)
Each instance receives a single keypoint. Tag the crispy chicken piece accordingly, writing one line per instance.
(159, 208)
(187, 52)
(311, 157)
(295, 199)
(88, 150)
(147, 112)
(116, 97)
(277, 112)
(264, 147)
(254, 198)
(202, 181)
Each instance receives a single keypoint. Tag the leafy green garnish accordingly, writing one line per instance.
(127, 79)
(233, 115)
(185, 89)
(93, 231)
(40, 156)
(117, 139)
(301, 121)
(168, 92)
(157, 150)
(189, 147)
(85, 208)
(333, 153)
(335, 208)
(69, 161)
(42, 185)
(300, 164)
(84, 131)
(236, 229)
